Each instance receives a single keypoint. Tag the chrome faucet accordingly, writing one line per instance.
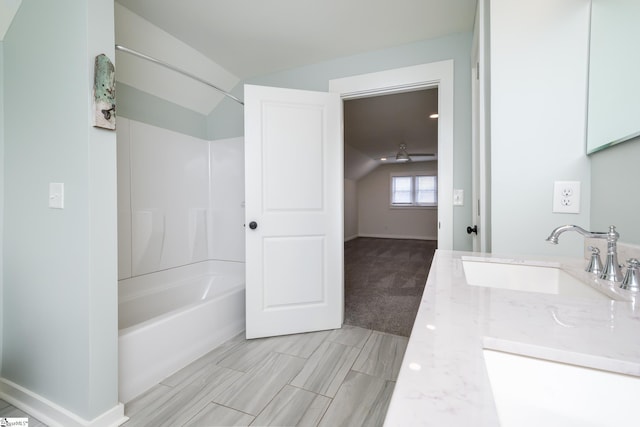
(611, 270)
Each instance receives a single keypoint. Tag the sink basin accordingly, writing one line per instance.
(536, 392)
(524, 277)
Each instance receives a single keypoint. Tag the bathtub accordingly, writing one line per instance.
(170, 318)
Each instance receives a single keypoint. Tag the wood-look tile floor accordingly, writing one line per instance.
(9, 411)
(343, 377)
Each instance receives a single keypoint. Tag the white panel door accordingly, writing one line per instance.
(294, 190)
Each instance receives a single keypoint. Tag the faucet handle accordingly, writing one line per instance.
(631, 281)
(595, 264)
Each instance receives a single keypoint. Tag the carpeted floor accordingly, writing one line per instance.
(384, 281)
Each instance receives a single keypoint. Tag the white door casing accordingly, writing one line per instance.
(294, 194)
(408, 79)
(481, 174)
(475, 141)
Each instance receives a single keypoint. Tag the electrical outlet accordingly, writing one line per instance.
(566, 197)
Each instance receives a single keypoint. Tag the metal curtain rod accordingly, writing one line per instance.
(177, 70)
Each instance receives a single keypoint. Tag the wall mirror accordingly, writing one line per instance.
(614, 85)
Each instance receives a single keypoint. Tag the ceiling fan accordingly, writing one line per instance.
(402, 155)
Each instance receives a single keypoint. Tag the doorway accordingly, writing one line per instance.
(433, 75)
(312, 116)
(391, 216)
(381, 293)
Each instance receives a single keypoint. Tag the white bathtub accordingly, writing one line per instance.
(170, 318)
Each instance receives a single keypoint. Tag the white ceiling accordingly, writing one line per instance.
(252, 37)
(225, 41)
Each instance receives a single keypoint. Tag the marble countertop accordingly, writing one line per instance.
(443, 379)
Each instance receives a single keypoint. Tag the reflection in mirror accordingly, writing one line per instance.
(614, 61)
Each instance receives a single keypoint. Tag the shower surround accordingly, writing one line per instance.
(180, 249)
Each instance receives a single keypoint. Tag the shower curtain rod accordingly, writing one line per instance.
(177, 70)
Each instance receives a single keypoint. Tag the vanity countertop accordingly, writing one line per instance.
(443, 379)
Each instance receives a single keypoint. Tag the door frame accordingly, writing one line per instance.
(481, 130)
(408, 79)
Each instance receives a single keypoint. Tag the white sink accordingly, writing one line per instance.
(536, 392)
(518, 276)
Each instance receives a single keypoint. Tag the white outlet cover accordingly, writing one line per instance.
(566, 197)
(56, 195)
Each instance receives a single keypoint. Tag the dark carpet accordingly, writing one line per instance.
(384, 281)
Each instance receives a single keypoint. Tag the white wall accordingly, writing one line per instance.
(376, 218)
(227, 241)
(539, 53)
(350, 209)
(124, 197)
(180, 199)
(169, 198)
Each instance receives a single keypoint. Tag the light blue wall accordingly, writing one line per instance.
(227, 119)
(615, 194)
(1, 183)
(137, 105)
(60, 278)
(539, 54)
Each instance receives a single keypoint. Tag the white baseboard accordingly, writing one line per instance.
(355, 236)
(52, 414)
(396, 236)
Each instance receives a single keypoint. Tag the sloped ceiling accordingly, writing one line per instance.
(374, 127)
(8, 9)
(136, 33)
(226, 41)
(250, 38)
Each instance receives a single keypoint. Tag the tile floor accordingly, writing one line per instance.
(329, 378)
(10, 411)
(343, 377)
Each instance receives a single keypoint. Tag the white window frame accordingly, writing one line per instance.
(414, 191)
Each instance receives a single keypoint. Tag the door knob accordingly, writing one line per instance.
(253, 225)
(472, 230)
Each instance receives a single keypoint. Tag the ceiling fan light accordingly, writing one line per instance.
(402, 155)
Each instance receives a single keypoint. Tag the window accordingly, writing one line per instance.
(414, 190)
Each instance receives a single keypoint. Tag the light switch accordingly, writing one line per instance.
(458, 197)
(56, 195)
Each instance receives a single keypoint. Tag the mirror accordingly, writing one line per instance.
(614, 60)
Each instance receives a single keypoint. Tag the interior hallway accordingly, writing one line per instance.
(384, 282)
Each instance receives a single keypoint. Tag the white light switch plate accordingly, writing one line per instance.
(56, 195)
(458, 197)
(566, 197)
